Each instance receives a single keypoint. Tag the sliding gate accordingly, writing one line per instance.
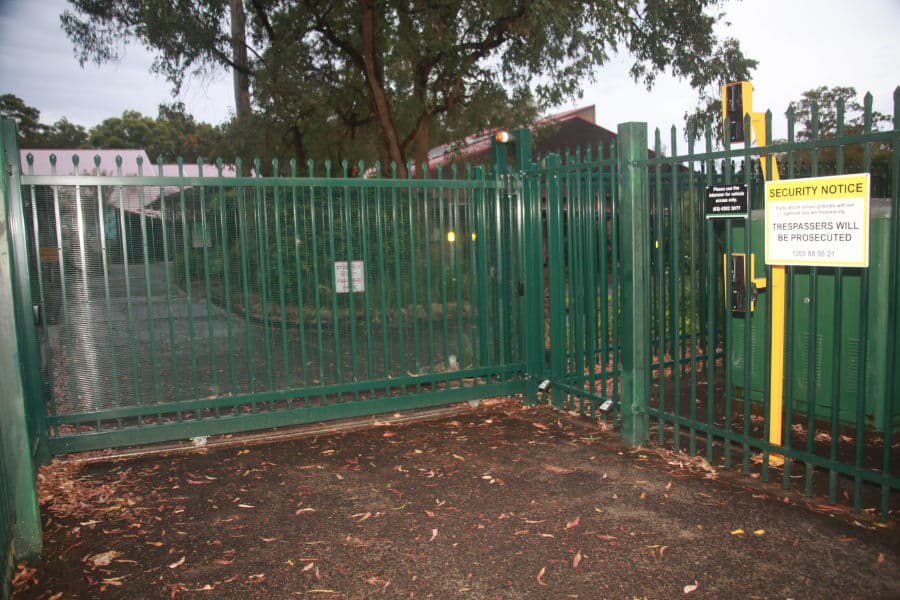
(214, 300)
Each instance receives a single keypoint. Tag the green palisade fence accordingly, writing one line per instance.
(181, 306)
(841, 392)
(209, 299)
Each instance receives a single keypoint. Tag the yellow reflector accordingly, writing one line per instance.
(451, 237)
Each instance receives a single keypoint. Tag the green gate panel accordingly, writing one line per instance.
(861, 361)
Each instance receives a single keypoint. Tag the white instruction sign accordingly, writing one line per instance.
(820, 221)
(344, 277)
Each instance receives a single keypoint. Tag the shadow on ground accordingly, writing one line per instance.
(499, 502)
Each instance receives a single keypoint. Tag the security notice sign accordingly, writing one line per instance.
(821, 221)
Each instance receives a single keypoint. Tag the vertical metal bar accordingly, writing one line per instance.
(316, 281)
(367, 298)
(395, 220)
(210, 322)
(812, 341)
(101, 212)
(693, 294)
(245, 279)
(168, 279)
(148, 284)
(589, 270)
(504, 272)
(282, 302)
(442, 240)
(414, 267)
(262, 249)
(573, 280)
(47, 350)
(226, 277)
(427, 207)
(332, 255)
(351, 294)
(186, 250)
(712, 296)
(472, 265)
(675, 266)
(298, 274)
(658, 302)
(456, 258)
(749, 358)
(382, 274)
(836, 335)
(606, 257)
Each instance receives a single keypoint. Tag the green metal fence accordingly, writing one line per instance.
(842, 398)
(186, 306)
(173, 306)
(20, 425)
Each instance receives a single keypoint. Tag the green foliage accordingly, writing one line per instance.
(392, 78)
(27, 118)
(172, 134)
(820, 110)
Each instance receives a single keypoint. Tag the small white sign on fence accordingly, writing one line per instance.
(344, 278)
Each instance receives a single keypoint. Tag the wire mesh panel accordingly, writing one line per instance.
(193, 303)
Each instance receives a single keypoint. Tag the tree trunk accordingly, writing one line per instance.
(421, 146)
(375, 83)
(242, 106)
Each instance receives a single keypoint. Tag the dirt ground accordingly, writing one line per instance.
(502, 501)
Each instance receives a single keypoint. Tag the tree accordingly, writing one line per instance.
(64, 134)
(27, 118)
(823, 113)
(828, 104)
(173, 134)
(394, 71)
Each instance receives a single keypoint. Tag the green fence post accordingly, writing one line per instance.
(556, 258)
(14, 442)
(635, 261)
(532, 244)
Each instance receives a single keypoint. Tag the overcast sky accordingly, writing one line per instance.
(800, 44)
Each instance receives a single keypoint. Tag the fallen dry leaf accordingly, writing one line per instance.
(560, 470)
(691, 588)
(573, 523)
(434, 533)
(759, 532)
(177, 563)
(577, 560)
(540, 576)
(104, 558)
(737, 532)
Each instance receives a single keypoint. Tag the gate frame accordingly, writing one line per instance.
(20, 376)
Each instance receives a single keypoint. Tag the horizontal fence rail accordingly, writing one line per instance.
(197, 305)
